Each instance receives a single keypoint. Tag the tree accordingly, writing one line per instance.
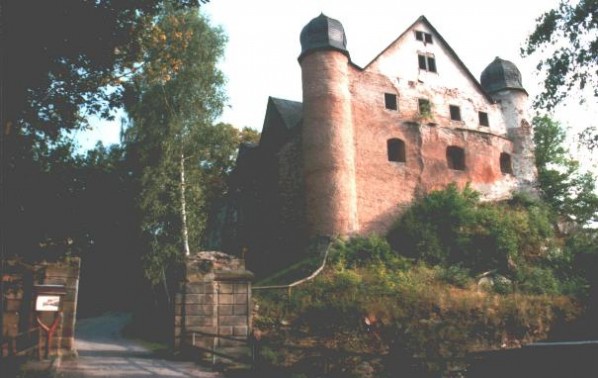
(567, 38)
(569, 191)
(61, 61)
(172, 103)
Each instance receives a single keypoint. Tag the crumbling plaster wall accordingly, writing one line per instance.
(385, 188)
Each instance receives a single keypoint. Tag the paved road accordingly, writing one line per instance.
(103, 352)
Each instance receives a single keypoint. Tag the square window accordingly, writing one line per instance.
(455, 112)
(423, 36)
(390, 101)
(426, 62)
(483, 116)
(424, 106)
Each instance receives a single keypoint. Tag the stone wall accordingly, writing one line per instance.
(19, 298)
(213, 302)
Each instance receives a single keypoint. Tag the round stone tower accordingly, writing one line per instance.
(502, 81)
(327, 131)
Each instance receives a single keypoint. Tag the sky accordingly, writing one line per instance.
(263, 45)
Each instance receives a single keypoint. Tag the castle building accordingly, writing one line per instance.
(366, 141)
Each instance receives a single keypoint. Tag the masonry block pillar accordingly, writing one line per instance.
(213, 304)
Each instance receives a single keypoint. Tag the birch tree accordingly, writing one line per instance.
(172, 105)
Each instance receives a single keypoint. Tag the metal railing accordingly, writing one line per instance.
(215, 350)
(20, 344)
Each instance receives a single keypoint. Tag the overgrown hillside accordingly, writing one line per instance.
(453, 276)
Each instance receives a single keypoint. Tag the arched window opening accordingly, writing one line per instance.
(396, 150)
(455, 157)
(505, 163)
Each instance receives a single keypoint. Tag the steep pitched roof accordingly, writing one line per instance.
(452, 52)
(290, 111)
(282, 118)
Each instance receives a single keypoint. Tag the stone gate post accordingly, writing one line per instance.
(213, 303)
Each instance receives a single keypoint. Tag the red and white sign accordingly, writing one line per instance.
(47, 303)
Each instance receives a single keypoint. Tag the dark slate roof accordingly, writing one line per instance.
(290, 111)
(501, 74)
(322, 33)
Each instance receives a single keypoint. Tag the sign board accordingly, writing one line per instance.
(47, 303)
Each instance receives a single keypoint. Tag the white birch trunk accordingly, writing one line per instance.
(184, 207)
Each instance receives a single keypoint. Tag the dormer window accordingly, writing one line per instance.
(423, 36)
(426, 62)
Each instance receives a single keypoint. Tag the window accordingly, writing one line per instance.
(505, 163)
(424, 106)
(426, 62)
(455, 112)
(455, 158)
(396, 150)
(423, 36)
(483, 119)
(390, 101)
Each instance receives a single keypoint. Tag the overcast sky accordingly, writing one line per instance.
(263, 43)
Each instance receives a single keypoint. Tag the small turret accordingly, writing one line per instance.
(502, 81)
(327, 131)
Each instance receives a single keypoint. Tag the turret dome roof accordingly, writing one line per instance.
(323, 32)
(501, 74)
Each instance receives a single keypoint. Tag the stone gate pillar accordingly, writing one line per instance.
(213, 304)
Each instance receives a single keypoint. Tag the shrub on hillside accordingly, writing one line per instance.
(452, 227)
(364, 251)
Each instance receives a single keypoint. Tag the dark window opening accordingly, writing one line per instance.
(431, 64)
(396, 150)
(423, 36)
(422, 62)
(426, 62)
(455, 112)
(505, 163)
(390, 101)
(425, 108)
(483, 119)
(455, 157)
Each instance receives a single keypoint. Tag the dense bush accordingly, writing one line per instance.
(453, 228)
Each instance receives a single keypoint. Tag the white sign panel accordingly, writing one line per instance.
(47, 303)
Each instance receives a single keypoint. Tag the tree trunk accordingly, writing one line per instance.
(184, 208)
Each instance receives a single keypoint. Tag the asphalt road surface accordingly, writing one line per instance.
(104, 352)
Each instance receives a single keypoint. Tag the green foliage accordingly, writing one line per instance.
(430, 230)
(569, 191)
(452, 229)
(567, 41)
(182, 158)
(412, 313)
(362, 251)
(455, 275)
